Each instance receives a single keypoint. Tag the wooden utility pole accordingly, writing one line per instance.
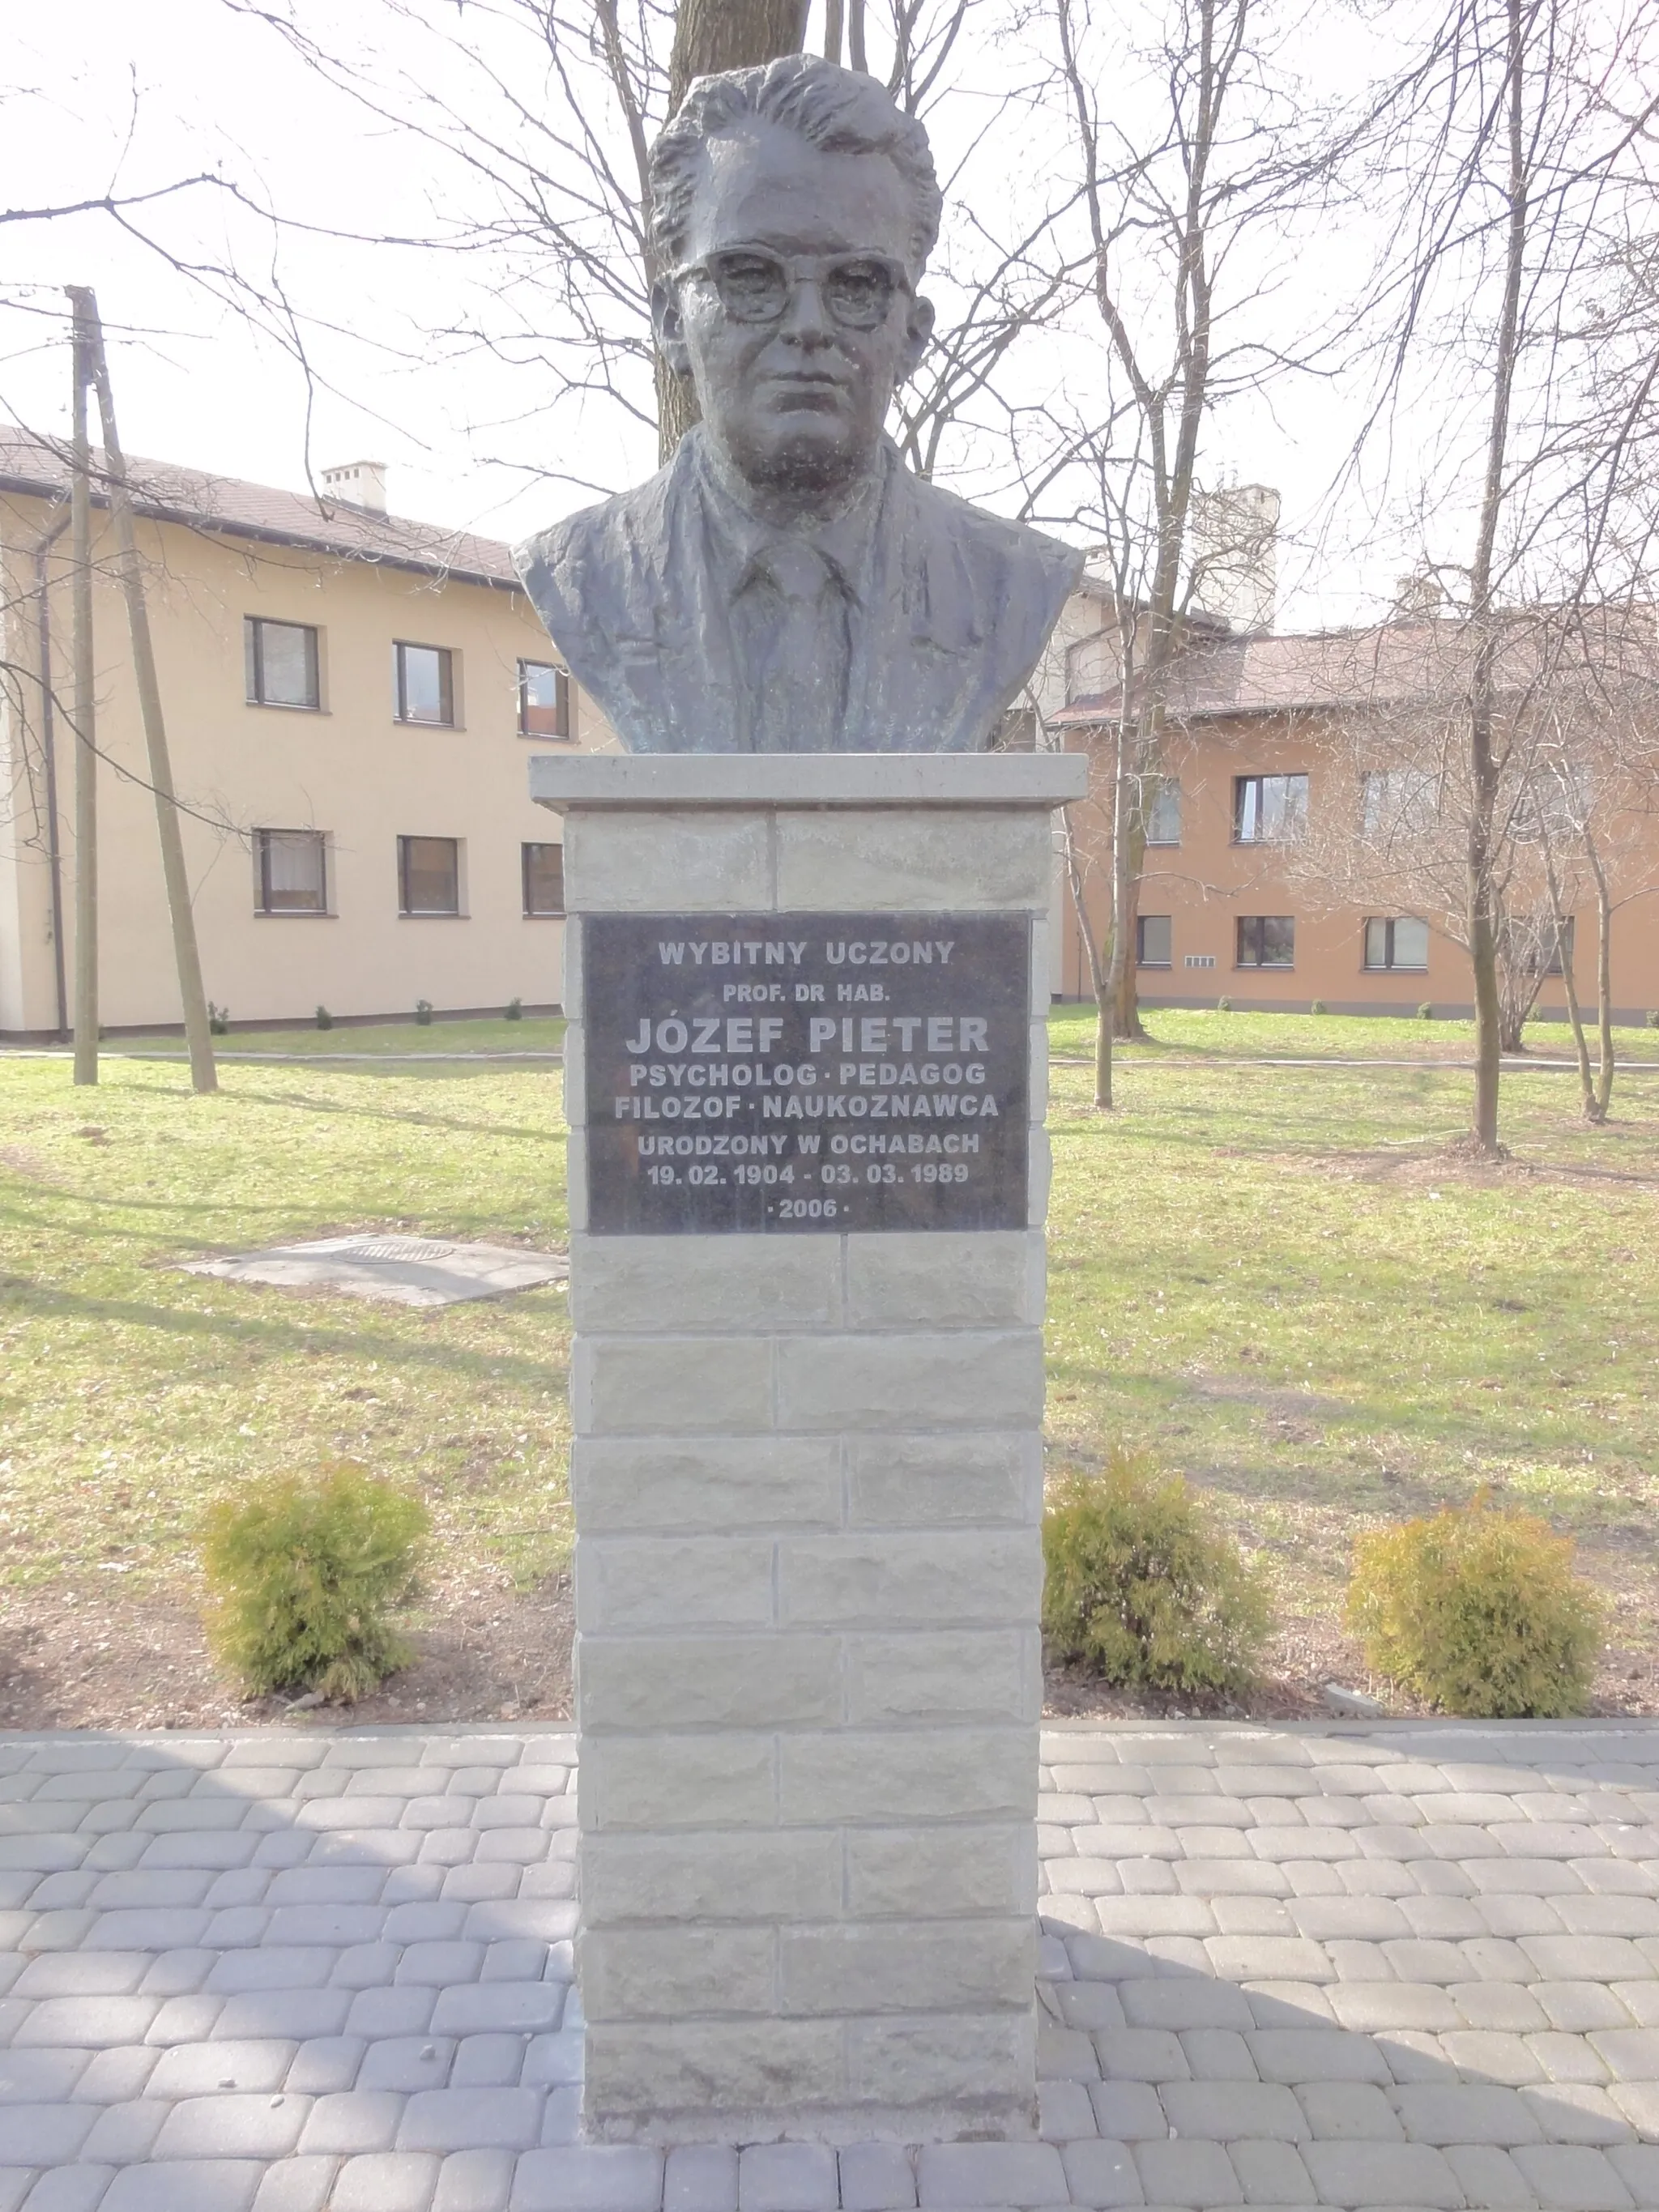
(86, 754)
(203, 1074)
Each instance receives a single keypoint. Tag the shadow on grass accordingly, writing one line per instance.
(23, 1294)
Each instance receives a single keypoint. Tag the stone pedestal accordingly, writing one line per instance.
(807, 1474)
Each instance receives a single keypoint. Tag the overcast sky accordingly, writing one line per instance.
(111, 94)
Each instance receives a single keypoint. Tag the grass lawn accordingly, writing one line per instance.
(1273, 1276)
(391, 1039)
(1202, 1032)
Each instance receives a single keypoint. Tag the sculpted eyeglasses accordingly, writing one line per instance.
(755, 286)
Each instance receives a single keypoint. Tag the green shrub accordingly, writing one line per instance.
(1653, 1019)
(1477, 1608)
(1319, 1008)
(303, 1576)
(1425, 1012)
(424, 1012)
(324, 1019)
(515, 1010)
(1224, 1006)
(1141, 1585)
(218, 1020)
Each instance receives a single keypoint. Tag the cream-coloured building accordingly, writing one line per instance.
(351, 700)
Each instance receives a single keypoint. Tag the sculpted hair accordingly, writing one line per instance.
(840, 110)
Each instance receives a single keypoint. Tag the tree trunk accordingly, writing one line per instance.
(86, 755)
(1483, 763)
(711, 35)
(1125, 1004)
(1570, 992)
(203, 1074)
(1100, 975)
(1603, 983)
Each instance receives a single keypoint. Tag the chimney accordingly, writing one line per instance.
(1418, 597)
(1235, 540)
(358, 483)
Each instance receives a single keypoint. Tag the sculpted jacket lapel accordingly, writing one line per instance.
(924, 636)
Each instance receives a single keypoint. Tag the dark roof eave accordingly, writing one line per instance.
(268, 534)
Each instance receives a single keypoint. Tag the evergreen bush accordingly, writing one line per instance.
(1319, 1008)
(304, 1576)
(424, 1012)
(324, 1019)
(1425, 1012)
(218, 1020)
(1224, 1006)
(1143, 1588)
(1477, 1608)
(515, 1010)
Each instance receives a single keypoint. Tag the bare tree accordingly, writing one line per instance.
(1518, 141)
(1174, 213)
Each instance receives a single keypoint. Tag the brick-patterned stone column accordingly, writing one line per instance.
(807, 1482)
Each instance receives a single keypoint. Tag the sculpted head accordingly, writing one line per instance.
(793, 208)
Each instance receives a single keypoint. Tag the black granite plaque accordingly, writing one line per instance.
(812, 1071)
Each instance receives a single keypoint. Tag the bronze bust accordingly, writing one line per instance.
(785, 584)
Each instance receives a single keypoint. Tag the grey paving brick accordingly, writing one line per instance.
(1270, 1958)
(297, 2184)
(1490, 2178)
(1100, 2173)
(484, 2008)
(874, 2177)
(1218, 2054)
(1630, 2054)
(1315, 2054)
(352, 2121)
(1090, 2004)
(951, 2175)
(1368, 2006)
(30, 2077)
(589, 2178)
(472, 2119)
(786, 2177)
(88, 2023)
(407, 2062)
(1579, 2111)
(45, 2135)
(125, 2133)
(1587, 1958)
(294, 2013)
(551, 2061)
(109, 2077)
(233, 2126)
(1576, 2007)
(1349, 2111)
(1140, 2054)
(1187, 2173)
(1271, 2174)
(1573, 2177)
(488, 2061)
(325, 2065)
(205, 2069)
(199, 2184)
(1466, 2113)
(78, 2188)
(385, 2181)
(1567, 2057)
(1223, 2111)
(406, 2010)
(1496, 2057)
(1637, 2165)
(475, 2181)
(1501, 2006)
(1348, 2174)
(1128, 2111)
(1177, 2001)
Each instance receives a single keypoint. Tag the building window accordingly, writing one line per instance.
(1163, 812)
(1153, 936)
(279, 660)
(1397, 944)
(1266, 940)
(1398, 799)
(543, 700)
(1269, 809)
(543, 879)
(293, 866)
(425, 685)
(429, 875)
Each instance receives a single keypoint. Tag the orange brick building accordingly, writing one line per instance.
(1274, 747)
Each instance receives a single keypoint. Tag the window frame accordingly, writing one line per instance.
(566, 732)
(1258, 783)
(408, 913)
(253, 665)
(1141, 957)
(1259, 922)
(263, 908)
(447, 720)
(1165, 787)
(541, 845)
(1388, 923)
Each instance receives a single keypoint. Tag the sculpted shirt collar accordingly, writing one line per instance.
(738, 543)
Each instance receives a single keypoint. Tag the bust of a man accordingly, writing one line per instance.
(786, 585)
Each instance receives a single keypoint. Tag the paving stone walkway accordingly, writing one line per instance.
(1365, 1966)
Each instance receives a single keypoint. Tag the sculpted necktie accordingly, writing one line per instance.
(800, 670)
